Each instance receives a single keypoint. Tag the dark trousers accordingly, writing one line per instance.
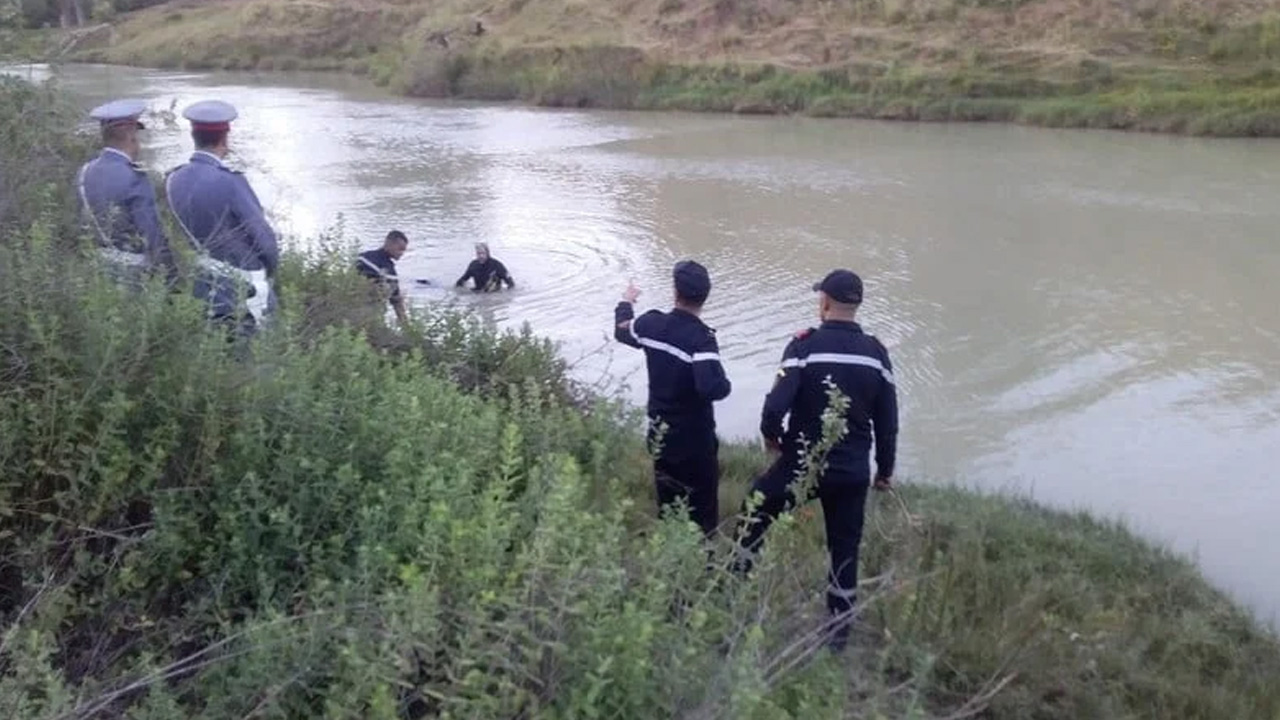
(687, 467)
(843, 504)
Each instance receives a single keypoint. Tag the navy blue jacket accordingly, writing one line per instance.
(379, 265)
(859, 365)
(121, 203)
(683, 360)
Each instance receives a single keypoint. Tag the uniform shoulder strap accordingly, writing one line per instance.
(87, 209)
(168, 196)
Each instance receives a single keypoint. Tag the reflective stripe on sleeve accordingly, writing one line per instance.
(674, 351)
(839, 359)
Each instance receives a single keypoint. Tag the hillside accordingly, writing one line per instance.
(1168, 65)
(791, 33)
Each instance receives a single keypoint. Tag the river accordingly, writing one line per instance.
(1088, 318)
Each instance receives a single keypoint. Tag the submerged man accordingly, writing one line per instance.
(222, 217)
(380, 266)
(486, 272)
(858, 364)
(685, 378)
(118, 199)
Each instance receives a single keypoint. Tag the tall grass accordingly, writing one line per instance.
(1088, 95)
(350, 521)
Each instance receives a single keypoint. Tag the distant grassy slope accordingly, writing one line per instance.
(1201, 66)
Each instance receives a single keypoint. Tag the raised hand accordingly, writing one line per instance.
(631, 293)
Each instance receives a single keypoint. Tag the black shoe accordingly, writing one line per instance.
(840, 627)
(839, 639)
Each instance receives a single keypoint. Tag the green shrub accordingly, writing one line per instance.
(181, 495)
(40, 153)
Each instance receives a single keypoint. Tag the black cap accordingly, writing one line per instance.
(842, 286)
(692, 281)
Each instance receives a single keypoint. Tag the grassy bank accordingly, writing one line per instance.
(354, 522)
(1159, 65)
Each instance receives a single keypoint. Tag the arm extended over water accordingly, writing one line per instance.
(470, 273)
(624, 319)
(504, 276)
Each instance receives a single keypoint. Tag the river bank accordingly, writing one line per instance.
(356, 522)
(1161, 65)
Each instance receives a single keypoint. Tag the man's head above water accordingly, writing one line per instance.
(839, 295)
(482, 251)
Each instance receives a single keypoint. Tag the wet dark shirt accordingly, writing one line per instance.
(379, 265)
(487, 276)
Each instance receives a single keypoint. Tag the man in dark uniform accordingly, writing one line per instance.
(685, 378)
(237, 249)
(119, 201)
(486, 272)
(380, 265)
(858, 364)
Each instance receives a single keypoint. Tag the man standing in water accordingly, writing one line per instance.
(486, 272)
(685, 378)
(225, 223)
(380, 265)
(838, 351)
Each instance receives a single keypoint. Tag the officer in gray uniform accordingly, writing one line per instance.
(118, 200)
(237, 249)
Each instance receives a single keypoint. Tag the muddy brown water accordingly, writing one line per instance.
(1092, 319)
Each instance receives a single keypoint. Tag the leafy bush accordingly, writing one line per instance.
(345, 512)
(39, 155)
